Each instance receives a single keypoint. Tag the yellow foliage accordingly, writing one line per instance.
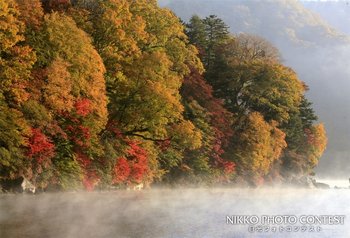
(86, 67)
(57, 91)
(260, 144)
(15, 67)
(317, 142)
(11, 28)
(187, 135)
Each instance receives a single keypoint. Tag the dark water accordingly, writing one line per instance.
(187, 213)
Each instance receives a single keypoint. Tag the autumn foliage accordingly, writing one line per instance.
(121, 171)
(40, 147)
(40, 152)
(134, 167)
(95, 94)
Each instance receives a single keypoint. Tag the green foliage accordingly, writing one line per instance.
(207, 34)
(196, 32)
(200, 160)
(16, 61)
(36, 114)
(255, 85)
(69, 174)
(13, 130)
(245, 71)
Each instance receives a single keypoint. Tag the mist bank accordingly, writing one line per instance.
(167, 213)
(308, 44)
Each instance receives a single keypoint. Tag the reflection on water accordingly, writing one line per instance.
(165, 213)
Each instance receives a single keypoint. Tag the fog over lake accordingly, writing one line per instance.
(166, 213)
(319, 52)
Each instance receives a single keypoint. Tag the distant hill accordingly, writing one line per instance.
(317, 50)
(337, 13)
(277, 20)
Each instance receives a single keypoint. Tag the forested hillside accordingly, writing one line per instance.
(308, 37)
(106, 93)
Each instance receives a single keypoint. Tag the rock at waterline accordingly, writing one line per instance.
(18, 185)
(321, 185)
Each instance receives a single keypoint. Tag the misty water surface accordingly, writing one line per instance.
(165, 213)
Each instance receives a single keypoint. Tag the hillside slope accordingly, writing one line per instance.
(310, 45)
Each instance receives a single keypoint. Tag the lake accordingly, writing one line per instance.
(166, 213)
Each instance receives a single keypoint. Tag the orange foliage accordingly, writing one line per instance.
(31, 12)
(83, 107)
(57, 90)
(317, 142)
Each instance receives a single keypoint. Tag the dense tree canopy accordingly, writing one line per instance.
(16, 61)
(104, 93)
(246, 72)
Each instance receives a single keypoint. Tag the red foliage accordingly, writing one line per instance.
(83, 160)
(229, 167)
(54, 130)
(90, 180)
(134, 167)
(55, 5)
(196, 88)
(84, 132)
(310, 136)
(113, 127)
(121, 170)
(37, 81)
(221, 120)
(139, 164)
(40, 147)
(164, 145)
(259, 181)
(88, 184)
(83, 107)
(80, 135)
(135, 150)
